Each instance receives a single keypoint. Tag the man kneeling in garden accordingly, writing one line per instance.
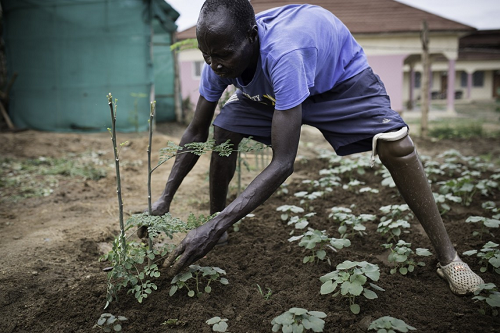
(295, 65)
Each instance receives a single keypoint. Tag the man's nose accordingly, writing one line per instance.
(215, 66)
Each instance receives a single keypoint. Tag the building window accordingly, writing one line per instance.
(463, 79)
(198, 65)
(418, 79)
(478, 79)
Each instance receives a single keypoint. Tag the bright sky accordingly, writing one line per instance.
(480, 14)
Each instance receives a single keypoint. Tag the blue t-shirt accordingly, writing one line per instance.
(304, 50)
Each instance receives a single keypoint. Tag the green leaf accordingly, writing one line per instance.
(208, 289)
(191, 293)
(224, 281)
(317, 314)
(117, 328)
(403, 270)
(297, 311)
(220, 327)
(369, 294)
(213, 320)
(355, 308)
(173, 289)
(321, 254)
(328, 287)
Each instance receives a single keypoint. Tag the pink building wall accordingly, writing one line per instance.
(390, 70)
(189, 83)
(388, 67)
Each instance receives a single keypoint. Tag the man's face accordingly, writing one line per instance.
(227, 52)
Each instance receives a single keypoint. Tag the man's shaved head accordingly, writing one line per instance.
(240, 12)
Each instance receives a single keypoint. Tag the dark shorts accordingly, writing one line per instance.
(348, 116)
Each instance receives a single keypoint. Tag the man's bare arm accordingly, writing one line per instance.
(285, 140)
(197, 131)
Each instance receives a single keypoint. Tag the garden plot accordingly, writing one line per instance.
(52, 280)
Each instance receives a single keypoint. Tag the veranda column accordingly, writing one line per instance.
(469, 85)
(451, 87)
(412, 87)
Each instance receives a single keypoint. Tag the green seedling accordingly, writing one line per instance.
(403, 257)
(396, 212)
(300, 222)
(393, 229)
(488, 255)
(218, 324)
(489, 294)
(352, 185)
(350, 224)
(491, 207)
(267, 295)
(308, 197)
(350, 279)
(174, 323)
(485, 225)
(441, 201)
(317, 242)
(462, 187)
(109, 323)
(389, 324)
(368, 190)
(197, 278)
(386, 177)
(298, 320)
(287, 209)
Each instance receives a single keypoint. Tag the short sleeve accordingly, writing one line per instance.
(292, 75)
(211, 85)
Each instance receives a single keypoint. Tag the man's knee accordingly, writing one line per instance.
(394, 149)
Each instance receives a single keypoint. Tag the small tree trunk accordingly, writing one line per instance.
(425, 80)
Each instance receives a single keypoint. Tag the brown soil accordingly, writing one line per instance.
(51, 279)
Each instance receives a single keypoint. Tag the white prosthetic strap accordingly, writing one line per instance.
(389, 136)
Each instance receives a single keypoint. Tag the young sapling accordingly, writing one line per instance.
(196, 279)
(489, 255)
(389, 324)
(393, 229)
(351, 277)
(300, 222)
(484, 223)
(350, 224)
(218, 324)
(298, 320)
(402, 256)
(317, 241)
(267, 295)
(109, 323)
(287, 209)
(488, 293)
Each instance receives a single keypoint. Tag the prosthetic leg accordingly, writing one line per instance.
(221, 172)
(398, 154)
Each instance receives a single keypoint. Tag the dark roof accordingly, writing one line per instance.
(481, 45)
(368, 16)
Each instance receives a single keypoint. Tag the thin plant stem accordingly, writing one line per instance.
(150, 209)
(150, 171)
(117, 168)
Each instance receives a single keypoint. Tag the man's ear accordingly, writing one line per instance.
(253, 34)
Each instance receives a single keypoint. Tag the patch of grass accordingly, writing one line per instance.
(38, 177)
(457, 131)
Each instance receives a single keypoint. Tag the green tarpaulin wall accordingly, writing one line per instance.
(70, 53)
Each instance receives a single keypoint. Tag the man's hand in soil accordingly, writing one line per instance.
(196, 245)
